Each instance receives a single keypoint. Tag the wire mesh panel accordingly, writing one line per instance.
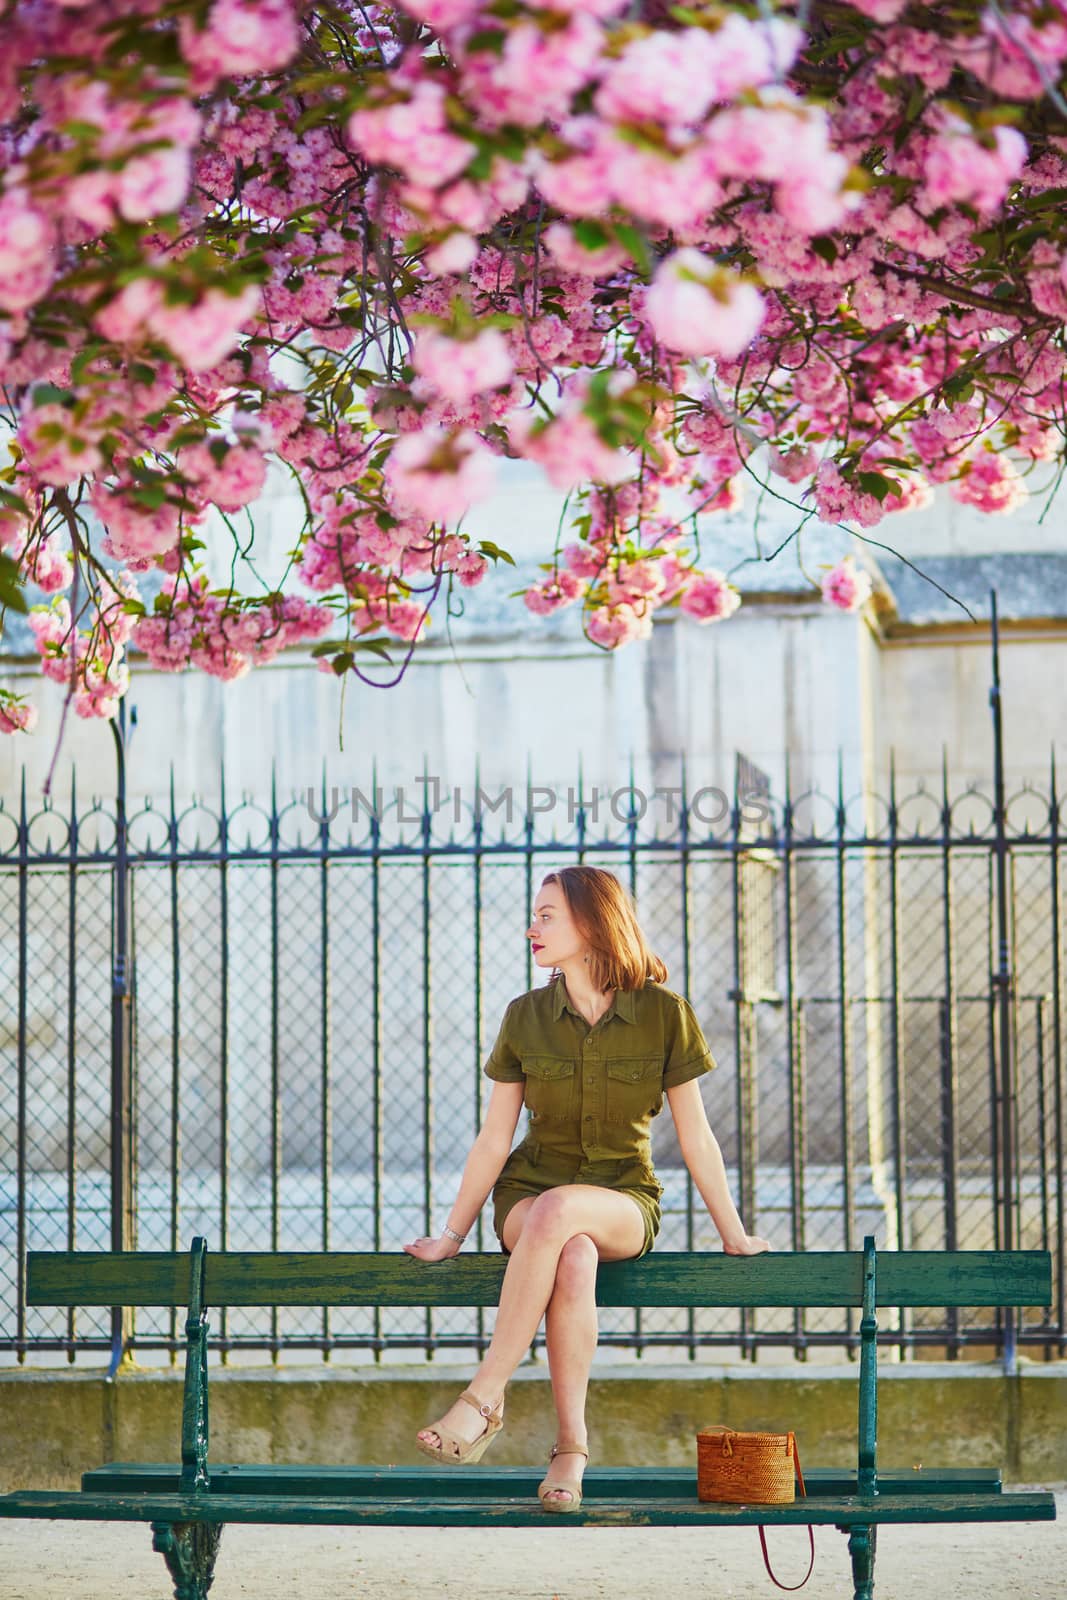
(317, 985)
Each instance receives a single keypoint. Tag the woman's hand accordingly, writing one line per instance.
(749, 1244)
(432, 1249)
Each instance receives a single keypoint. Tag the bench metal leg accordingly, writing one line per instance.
(189, 1549)
(861, 1547)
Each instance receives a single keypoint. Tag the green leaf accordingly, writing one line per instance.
(47, 393)
(481, 165)
(959, 387)
(878, 484)
(633, 240)
(825, 248)
(75, 129)
(488, 548)
(150, 495)
(590, 234)
(11, 592)
(492, 39)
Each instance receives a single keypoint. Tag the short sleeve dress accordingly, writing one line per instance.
(591, 1092)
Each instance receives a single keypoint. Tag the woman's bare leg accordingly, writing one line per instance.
(615, 1225)
(571, 1331)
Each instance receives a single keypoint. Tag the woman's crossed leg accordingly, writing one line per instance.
(556, 1240)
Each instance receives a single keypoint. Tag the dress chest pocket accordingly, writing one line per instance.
(550, 1087)
(633, 1085)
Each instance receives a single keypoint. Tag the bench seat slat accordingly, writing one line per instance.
(664, 1278)
(136, 1477)
(844, 1510)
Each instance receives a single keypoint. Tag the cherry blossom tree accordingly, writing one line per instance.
(660, 250)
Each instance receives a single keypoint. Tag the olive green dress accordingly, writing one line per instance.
(591, 1092)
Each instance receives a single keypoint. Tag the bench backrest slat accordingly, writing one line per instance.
(664, 1278)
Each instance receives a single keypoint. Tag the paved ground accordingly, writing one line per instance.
(115, 1561)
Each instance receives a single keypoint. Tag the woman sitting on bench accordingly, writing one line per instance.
(590, 1054)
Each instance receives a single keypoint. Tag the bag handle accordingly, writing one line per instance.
(811, 1535)
(767, 1560)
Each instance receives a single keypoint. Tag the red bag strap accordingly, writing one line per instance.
(811, 1535)
(767, 1560)
(796, 1463)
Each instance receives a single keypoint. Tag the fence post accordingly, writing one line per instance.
(1002, 985)
(122, 1150)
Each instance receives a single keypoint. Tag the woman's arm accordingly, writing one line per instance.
(701, 1154)
(488, 1153)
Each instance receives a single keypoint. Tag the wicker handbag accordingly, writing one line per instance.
(751, 1469)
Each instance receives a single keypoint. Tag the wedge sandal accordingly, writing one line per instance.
(456, 1450)
(569, 1486)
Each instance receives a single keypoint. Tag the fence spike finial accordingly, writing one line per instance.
(945, 808)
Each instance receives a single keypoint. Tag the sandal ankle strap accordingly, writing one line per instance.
(568, 1450)
(479, 1405)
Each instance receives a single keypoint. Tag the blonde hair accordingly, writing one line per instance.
(606, 917)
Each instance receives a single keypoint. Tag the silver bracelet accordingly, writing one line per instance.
(452, 1234)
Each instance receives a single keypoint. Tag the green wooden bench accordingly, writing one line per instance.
(187, 1505)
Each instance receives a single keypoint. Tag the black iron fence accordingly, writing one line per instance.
(299, 1062)
(267, 1024)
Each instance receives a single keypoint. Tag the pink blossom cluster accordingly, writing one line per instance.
(380, 244)
(622, 593)
(135, 531)
(710, 597)
(230, 476)
(459, 369)
(45, 561)
(241, 37)
(568, 444)
(439, 474)
(92, 663)
(958, 167)
(699, 309)
(538, 72)
(58, 450)
(199, 334)
(412, 136)
(198, 628)
(27, 250)
(363, 555)
(17, 715)
(845, 587)
(991, 482)
(677, 77)
(839, 500)
(140, 160)
(554, 593)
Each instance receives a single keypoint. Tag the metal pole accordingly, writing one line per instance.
(1002, 988)
(122, 1153)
